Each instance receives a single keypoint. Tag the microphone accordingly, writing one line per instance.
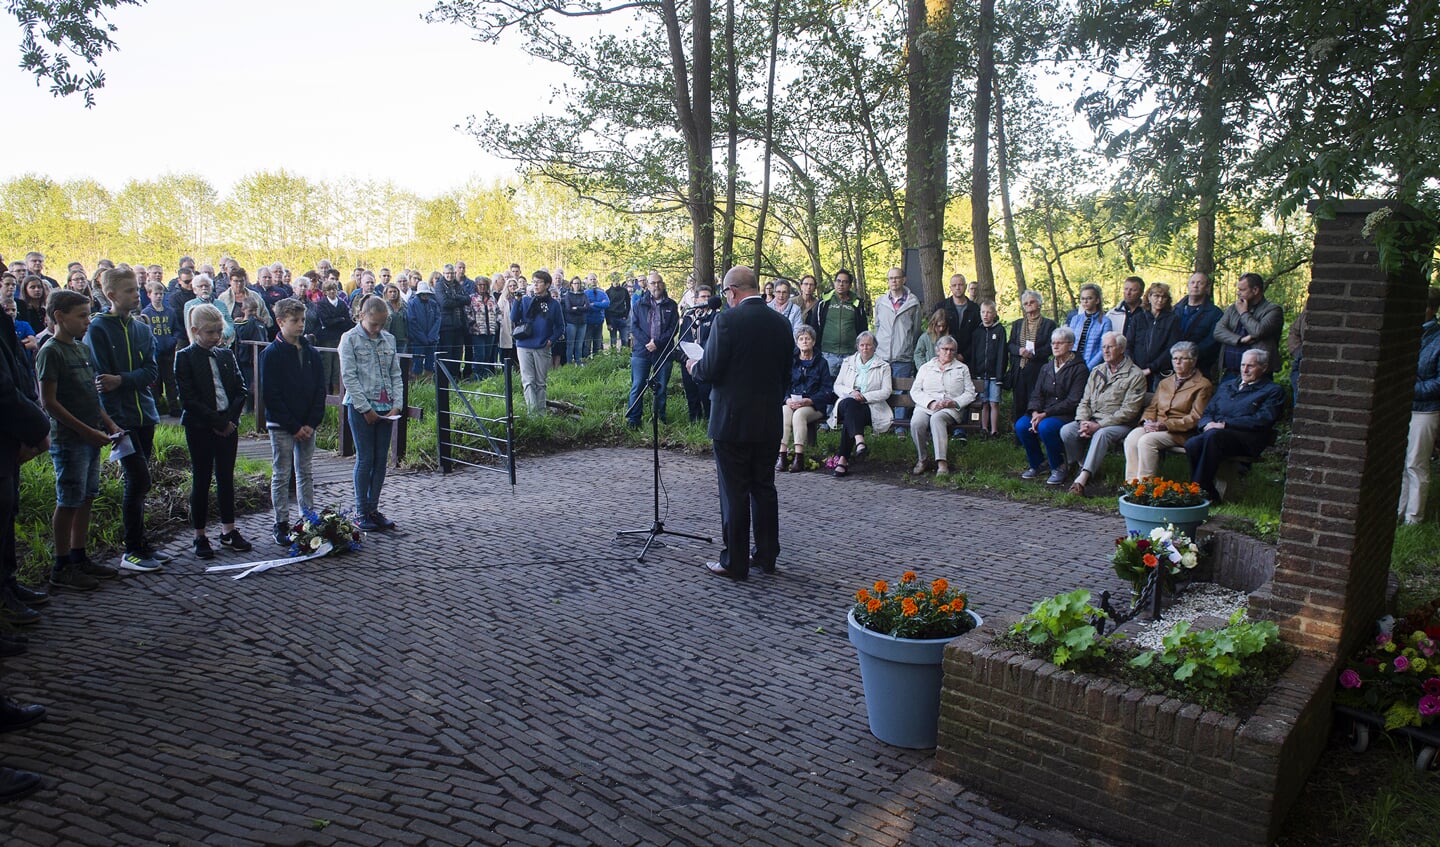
(715, 302)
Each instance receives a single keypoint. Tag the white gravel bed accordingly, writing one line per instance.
(1204, 600)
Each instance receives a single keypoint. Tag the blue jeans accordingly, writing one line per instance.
(424, 358)
(619, 334)
(372, 448)
(594, 339)
(482, 354)
(640, 372)
(574, 343)
(1048, 434)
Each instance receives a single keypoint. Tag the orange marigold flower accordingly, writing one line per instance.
(908, 608)
(862, 596)
(1139, 491)
(1194, 488)
(873, 606)
(880, 586)
(939, 586)
(957, 605)
(908, 576)
(944, 609)
(1150, 560)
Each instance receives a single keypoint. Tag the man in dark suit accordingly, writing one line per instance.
(747, 362)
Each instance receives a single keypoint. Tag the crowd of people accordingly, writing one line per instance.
(98, 359)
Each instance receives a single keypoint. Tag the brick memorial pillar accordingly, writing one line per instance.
(1347, 448)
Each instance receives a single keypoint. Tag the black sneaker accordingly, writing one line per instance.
(148, 552)
(203, 550)
(13, 611)
(282, 535)
(95, 569)
(70, 576)
(233, 541)
(366, 523)
(380, 520)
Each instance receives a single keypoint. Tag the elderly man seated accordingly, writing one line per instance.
(942, 391)
(1114, 393)
(1172, 416)
(1239, 421)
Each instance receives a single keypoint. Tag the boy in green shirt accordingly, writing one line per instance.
(79, 427)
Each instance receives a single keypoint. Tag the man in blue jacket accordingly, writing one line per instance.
(1239, 421)
(595, 318)
(1198, 315)
(653, 323)
(125, 368)
(293, 378)
(1424, 418)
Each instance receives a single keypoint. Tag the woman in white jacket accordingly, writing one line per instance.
(942, 391)
(863, 388)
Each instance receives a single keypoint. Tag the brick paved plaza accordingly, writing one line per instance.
(505, 673)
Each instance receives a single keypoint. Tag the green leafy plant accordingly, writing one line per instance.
(1210, 658)
(1063, 626)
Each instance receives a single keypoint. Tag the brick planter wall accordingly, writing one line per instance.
(1124, 762)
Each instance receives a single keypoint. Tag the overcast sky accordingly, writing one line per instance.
(324, 88)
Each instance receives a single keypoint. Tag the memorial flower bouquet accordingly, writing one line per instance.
(314, 529)
(913, 609)
(1165, 549)
(1397, 673)
(1155, 491)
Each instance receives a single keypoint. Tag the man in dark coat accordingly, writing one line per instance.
(1238, 422)
(747, 363)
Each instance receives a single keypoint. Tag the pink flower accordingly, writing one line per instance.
(1426, 647)
(1349, 679)
(1382, 638)
(1372, 661)
(1429, 705)
(1432, 686)
(1402, 664)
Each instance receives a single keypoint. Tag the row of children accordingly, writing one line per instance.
(93, 379)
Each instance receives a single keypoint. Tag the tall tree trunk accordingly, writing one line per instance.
(1211, 128)
(732, 142)
(930, 71)
(694, 117)
(1012, 242)
(980, 164)
(769, 133)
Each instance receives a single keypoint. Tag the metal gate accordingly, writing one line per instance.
(464, 434)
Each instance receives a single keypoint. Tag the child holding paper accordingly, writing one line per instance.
(79, 428)
(370, 373)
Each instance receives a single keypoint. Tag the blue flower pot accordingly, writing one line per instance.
(901, 677)
(1142, 519)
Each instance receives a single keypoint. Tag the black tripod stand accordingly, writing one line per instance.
(657, 527)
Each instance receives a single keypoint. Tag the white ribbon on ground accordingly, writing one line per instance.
(260, 567)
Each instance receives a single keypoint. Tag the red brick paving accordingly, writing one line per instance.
(505, 673)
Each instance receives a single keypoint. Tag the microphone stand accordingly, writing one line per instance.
(657, 526)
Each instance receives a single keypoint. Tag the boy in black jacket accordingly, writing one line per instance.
(989, 354)
(294, 386)
(125, 368)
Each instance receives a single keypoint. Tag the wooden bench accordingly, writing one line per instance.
(903, 408)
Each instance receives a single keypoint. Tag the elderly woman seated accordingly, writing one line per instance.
(1058, 389)
(1172, 416)
(942, 391)
(863, 387)
(811, 393)
(1114, 395)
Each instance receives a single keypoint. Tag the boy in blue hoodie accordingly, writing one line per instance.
(125, 367)
(293, 380)
(164, 323)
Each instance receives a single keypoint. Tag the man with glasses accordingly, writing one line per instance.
(35, 266)
(837, 320)
(898, 324)
(747, 363)
(653, 324)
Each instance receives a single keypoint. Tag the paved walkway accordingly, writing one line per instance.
(503, 672)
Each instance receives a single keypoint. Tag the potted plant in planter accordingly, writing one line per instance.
(900, 634)
(1164, 551)
(1154, 502)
